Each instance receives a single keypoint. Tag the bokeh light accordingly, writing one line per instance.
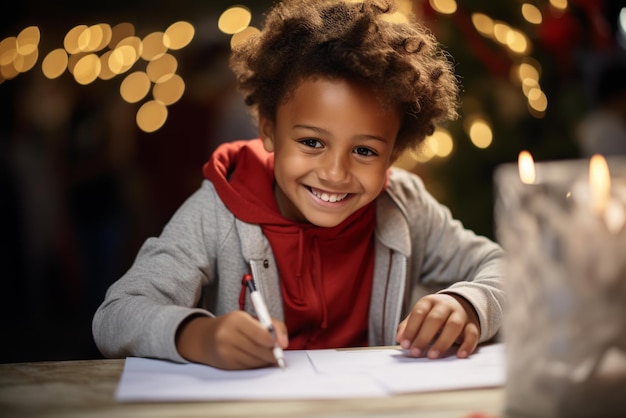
(135, 87)
(151, 116)
(55, 63)
(234, 19)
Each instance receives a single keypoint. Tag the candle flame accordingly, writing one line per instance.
(600, 183)
(526, 167)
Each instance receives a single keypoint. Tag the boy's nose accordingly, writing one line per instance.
(335, 169)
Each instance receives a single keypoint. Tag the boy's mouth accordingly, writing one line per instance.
(328, 197)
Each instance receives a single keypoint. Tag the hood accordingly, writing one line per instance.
(243, 175)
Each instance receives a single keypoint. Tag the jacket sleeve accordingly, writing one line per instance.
(143, 309)
(447, 255)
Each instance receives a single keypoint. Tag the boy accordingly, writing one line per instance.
(342, 246)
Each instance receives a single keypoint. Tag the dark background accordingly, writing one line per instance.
(82, 186)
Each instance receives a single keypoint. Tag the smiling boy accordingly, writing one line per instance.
(332, 143)
(341, 244)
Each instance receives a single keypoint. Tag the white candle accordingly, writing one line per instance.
(599, 183)
(526, 166)
(562, 226)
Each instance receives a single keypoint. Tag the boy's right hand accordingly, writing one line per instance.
(233, 341)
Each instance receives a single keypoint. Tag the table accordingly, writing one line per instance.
(85, 388)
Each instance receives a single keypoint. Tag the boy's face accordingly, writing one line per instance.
(332, 142)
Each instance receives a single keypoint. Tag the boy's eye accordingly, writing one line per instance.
(310, 142)
(366, 152)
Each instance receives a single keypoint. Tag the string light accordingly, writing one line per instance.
(102, 52)
(531, 13)
(234, 19)
(479, 131)
(444, 6)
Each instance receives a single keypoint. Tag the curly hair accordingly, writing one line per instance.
(352, 41)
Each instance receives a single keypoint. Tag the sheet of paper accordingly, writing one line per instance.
(312, 374)
(399, 373)
(156, 380)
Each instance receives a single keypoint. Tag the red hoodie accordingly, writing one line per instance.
(325, 273)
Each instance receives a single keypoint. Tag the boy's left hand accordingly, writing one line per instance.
(441, 320)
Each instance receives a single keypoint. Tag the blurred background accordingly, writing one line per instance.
(110, 108)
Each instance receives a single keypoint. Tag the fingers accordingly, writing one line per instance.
(470, 341)
(438, 321)
(451, 328)
(239, 341)
(420, 326)
(282, 336)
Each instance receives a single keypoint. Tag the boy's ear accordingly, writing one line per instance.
(266, 130)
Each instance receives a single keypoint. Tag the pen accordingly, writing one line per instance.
(264, 316)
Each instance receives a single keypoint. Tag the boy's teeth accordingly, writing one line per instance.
(329, 197)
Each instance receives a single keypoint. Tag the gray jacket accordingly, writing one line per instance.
(196, 265)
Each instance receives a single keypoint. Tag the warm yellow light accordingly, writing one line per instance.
(170, 91)
(87, 69)
(8, 72)
(23, 63)
(406, 161)
(90, 38)
(105, 69)
(559, 4)
(71, 40)
(161, 69)
(531, 13)
(121, 31)
(400, 15)
(526, 167)
(8, 50)
(501, 32)
(517, 42)
(537, 100)
(178, 35)
(528, 70)
(135, 87)
(599, 182)
(405, 7)
(27, 40)
(396, 17)
(55, 63)
(94, 38)
(483, 24)
(151, 116)
(243, 35)
(480, 133)
(425, 151)
(444, 143)
(528, 84)
(135, 43)
(444, 6)
(122, 59)
(153, 46)
(439, 144)
(72, 60)
(107, 34)
(234, 19)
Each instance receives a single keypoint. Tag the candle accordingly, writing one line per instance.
(602, 201)
(561, 224)
(526, 167)
(599, 183)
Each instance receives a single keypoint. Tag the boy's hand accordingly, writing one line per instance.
(440, 319)
(232, 341)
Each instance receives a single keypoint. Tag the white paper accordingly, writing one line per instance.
(312, 374)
